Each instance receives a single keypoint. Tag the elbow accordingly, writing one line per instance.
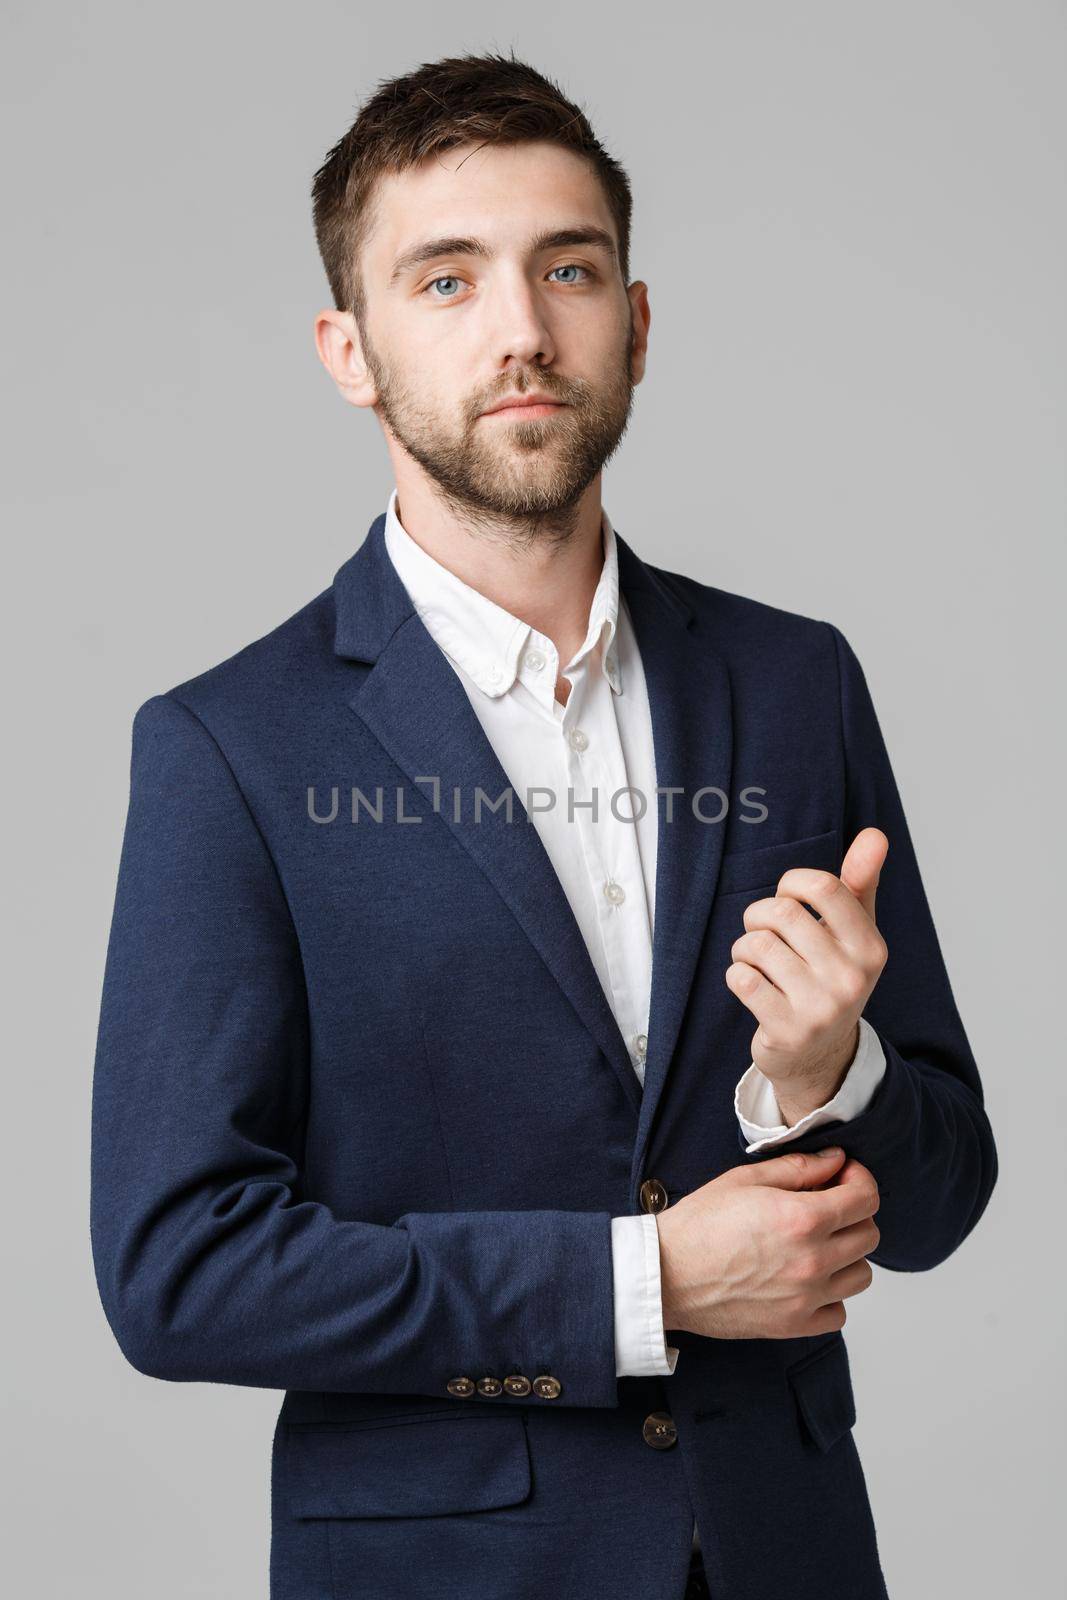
(135, 1313)
(989, 1170)
(142, 1338)
(144, 1355)
(918, 1237)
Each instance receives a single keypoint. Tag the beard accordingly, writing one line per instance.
(529, 475)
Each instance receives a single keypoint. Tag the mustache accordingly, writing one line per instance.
(551, 388)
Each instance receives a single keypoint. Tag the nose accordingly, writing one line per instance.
(520, 327)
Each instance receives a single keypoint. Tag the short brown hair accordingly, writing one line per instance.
(490, 99)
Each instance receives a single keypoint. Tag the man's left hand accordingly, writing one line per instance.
(806, 979)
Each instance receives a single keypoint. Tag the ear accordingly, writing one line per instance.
(641, 313)
(340, 350)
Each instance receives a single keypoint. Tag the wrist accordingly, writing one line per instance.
(798, 1096)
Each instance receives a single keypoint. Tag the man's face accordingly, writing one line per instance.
(447, 336)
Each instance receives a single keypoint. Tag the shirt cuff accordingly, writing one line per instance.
(641, 1348)
(759, 1113)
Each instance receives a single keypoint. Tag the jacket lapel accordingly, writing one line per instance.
(692, 728)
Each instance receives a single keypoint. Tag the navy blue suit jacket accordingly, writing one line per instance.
(362, 1115)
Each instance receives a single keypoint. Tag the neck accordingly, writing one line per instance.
(545, 577)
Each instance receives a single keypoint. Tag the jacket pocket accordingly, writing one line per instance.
(749, 870)
(822, 1388)
(416, 1466)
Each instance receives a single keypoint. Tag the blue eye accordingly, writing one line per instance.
(451, 278)
(442, 280)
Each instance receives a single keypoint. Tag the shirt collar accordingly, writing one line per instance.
(483, 638)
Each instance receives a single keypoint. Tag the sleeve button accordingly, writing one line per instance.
(461, 1386)
(660, 1430)
(546, 1386)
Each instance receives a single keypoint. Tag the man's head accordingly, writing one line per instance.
(476, 237)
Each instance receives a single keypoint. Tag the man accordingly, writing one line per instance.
(500, 943)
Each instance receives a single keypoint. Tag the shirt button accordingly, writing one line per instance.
(640, 1045)
(578, 739)
(615, 893)
(493, 674)
(534, 660)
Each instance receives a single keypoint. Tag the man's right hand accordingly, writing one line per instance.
(767, 1251)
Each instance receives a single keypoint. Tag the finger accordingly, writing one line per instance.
(766, 1003)
(839, 912)
(862, 866)
(828, 1319)
(859, 1239)
(787, 917)
(848, 1281)
(821, 964)
(797, 1169)
(851, 1199)
(765, 950)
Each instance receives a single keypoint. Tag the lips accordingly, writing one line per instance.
(539, 406)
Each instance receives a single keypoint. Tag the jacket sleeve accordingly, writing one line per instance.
(210, 1261)
(924, 1134)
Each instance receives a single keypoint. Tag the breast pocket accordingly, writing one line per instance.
(426, 1465)
(754, 871)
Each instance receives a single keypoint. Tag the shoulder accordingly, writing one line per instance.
(279, 668)
(743, 628)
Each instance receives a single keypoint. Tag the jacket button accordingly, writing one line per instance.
(547, 1386)
(461, 1386)
(659, 1430)
(490, 1386)
(653, 1195)
(517, 1384)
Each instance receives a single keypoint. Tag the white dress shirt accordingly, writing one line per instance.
(581, 754)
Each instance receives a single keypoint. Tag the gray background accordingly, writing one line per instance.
(851, 221)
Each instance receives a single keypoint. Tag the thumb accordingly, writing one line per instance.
(862, 866)
(799, 1169)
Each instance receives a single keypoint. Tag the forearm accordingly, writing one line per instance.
(238, 1284)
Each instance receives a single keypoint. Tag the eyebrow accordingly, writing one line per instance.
(456, 245)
